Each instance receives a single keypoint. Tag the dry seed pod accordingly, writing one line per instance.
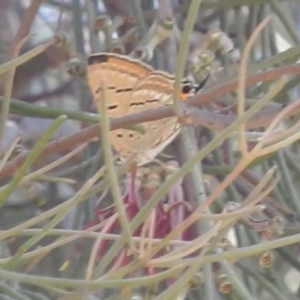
(196, 281)
(266, 259)
(158, 32)
(76, 67)
(143, 53)
(224, 285)
(117, 47)
(61, 39)
(101, 23)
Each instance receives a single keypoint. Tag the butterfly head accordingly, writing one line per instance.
(188, 88)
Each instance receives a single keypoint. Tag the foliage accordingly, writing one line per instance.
(217, 220)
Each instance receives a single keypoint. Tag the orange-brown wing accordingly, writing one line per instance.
(153, 91)
(121, 74)
(131, 87)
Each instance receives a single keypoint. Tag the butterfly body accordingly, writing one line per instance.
(131, 87)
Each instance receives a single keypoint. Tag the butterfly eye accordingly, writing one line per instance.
(188, 85)
(187, 88)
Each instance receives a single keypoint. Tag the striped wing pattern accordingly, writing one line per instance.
(132, 87)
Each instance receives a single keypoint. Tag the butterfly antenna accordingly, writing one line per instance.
(201, 85)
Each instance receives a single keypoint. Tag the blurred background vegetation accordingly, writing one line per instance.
(60, 235)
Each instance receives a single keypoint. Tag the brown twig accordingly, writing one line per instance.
(25, 27)
(209, 119)
(19, 40)
(52, 55)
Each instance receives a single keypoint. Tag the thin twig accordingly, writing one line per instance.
(19, 41)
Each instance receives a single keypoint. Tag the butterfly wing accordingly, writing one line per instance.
(155, 90)
(121, 74)
(132, 87)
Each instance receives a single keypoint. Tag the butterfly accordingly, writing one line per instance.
(131, 87)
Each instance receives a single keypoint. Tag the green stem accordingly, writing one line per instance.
(6, 290)
(59, 216)
(112, 177)
(183, 49)
(239, 287)
(6, 102)
(14, 63)
(91, 284)
(34, 153)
